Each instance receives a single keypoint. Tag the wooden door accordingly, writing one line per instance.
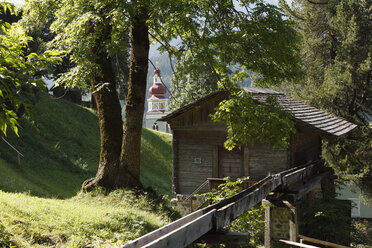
(230, 163)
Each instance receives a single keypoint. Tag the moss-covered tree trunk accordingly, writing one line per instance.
(129, 175)
(119, 164)
(110, 125)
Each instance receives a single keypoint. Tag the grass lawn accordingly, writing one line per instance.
(92, 218)
(40, 201)
(61, 145)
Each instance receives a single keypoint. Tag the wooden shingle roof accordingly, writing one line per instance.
(304, 113)
(318, 119)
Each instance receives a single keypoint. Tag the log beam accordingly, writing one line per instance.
(230, 238)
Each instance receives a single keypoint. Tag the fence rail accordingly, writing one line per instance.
(18, 152)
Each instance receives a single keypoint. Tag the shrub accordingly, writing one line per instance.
(252, 222)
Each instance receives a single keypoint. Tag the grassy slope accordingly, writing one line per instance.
(94, 218)
(61, 148)
(156, 160)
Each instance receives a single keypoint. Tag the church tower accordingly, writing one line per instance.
(157, 105)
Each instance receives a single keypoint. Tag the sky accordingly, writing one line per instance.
(15, 2)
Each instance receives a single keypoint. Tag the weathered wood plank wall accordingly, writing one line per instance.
(197, 150)
(194, 145)
(306, 145)
(263, 161)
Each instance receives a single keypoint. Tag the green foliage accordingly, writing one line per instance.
(351, 158)
(85, 30)
(19, 73)
(197, 82)
(217, 36)
(252, 221)
(361, 233)
(248, 122)
(225, 190)
(94, 218)
(321, 216)
(223, 44)
(218, 42)
(336, 60)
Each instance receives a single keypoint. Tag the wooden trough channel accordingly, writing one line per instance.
(190, 228)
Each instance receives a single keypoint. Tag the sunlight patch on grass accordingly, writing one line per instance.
(93, 218)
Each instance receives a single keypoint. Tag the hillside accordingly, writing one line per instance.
(60, 145)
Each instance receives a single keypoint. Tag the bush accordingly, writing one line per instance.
(322, 216)
(252, 222)
(361, 234)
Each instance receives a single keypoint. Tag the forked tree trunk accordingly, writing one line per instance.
(110, 126)
(129, 174)
(119, 164)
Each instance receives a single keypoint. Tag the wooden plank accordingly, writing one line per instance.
(297, 244)
(321, 242)
(196, 174)
(309, 186)
(175, 188)
(229, 238)
(186, 234)
(193, 185)
(189, 228)
(246, 161)
(240, 205)
(215, 171)
(300, 174)
(204, 127)
(187, 167)
(146, 239)
(339, 133)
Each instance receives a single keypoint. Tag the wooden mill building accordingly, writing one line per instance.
(198, 152)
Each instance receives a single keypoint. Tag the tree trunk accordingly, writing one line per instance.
(129, 174)
(110, 125)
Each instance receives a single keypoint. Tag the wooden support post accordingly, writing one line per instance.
(293, 221)
(268, 226)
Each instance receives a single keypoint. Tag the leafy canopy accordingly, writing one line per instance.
(224, 43)
(20, 73)
(231, 40)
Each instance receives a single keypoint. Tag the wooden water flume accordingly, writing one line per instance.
(190, 228)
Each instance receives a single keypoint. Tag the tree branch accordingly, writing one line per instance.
(314, 2)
